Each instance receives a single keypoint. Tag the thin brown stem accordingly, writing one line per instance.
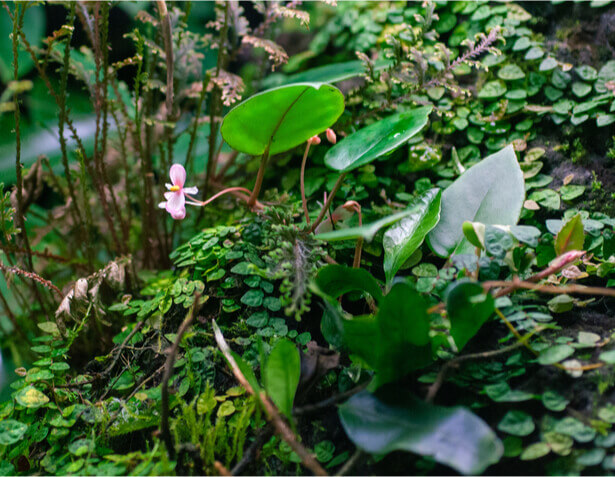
(31, 276)
(281, 428)
(356, 263)
(330, 197)
(302, 181)
(510, 286)
(215, 101)
(165, 430)
(259, 179)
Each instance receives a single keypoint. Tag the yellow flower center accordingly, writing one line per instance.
(174, 188)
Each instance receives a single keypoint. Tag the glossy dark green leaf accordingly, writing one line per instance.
(336, 280)
(491, 192)
(396, 340)
(454, 436)
(404, 237)
(367, 231)
(377, 139)
(281, 118)
(281, 375)
(468, 307)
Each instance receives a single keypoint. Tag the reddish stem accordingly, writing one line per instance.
(302, 180)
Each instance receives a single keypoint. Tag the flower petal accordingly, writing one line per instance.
(178, 175)
(179, 214)
(191, 190)
(175, 203)
(162, 205)
(168, 186)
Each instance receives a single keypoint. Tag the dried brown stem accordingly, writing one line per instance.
(302, 182)
(31, 276)
(165, 430)
(510, 286)
(281, 428)
(329, 200)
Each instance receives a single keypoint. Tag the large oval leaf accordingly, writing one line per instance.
(491, 192)
(397, 420)
(282, 118)
(281, 375)
(376, 139)
(402, 239)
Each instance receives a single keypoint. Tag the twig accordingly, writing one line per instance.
(323, 211)
(168, 372)
(513, 285)
(219, 466)
(118, 350)
(165, 23)
(345, 470)
(263, 436)
(435, 387)
(281, 428)
(302, 182)
(215, 106)
(31, 276)
(331, 401)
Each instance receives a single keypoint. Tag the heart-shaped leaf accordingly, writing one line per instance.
(491, 192)
(571, 236)
(392, 342)
(281, 118)
(11, 431)
(281, 375)
(397, 420)
(402, 239)
(376, 139)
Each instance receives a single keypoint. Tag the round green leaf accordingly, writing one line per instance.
(11, 431)
(80, 447)
(581, 89)
(492, 90)
(511, 73)
(554, 401)
(281, 118)
(586, 72)
(555, 354)
(376, 139)
(535, 451)
(517, 423)
(253, 298)
(31, 397)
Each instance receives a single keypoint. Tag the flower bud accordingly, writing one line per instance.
(331, 137)
(314, 141)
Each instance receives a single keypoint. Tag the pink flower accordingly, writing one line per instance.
(314, 141)
(175, 199)
(332, 138)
